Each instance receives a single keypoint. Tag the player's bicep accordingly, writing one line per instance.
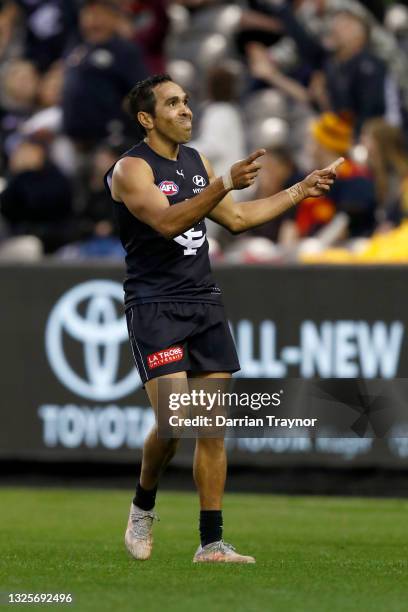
(148, 204)
(133, 185)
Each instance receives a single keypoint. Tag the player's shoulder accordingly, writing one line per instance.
(130, 163)
(129, 170)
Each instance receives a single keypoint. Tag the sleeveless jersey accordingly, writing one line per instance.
(157, 269)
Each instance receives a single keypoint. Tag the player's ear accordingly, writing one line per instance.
(145, 119)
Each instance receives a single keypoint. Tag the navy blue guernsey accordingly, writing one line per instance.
(161, 270)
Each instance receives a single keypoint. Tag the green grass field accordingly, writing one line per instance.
(314, 554)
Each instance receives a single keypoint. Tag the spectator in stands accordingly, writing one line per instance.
(47, 26)
(263, 69)
(148, 25)
(256, 26)
(50, 90)
(279, 171)
(46, 123)
(388, 159)
(348, 77)
(38, 198)
(383, 44)
(354, 191)
(221, 131)
(97, 230)
(98, 205)
(102, 244)
(99, 73)
(47, 119)
(18, 91)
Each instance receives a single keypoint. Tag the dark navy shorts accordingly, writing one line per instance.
(168, 337)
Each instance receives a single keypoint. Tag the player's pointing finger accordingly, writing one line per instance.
(337, 163)
(333, 167)
(255, 155)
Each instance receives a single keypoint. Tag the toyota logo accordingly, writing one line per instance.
(88, 314)
(199, 180)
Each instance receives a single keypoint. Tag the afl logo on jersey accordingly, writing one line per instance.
(169, 188)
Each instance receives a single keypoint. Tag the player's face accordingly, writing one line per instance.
(173, 117)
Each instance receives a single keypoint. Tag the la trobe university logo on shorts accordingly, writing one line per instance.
(175, 353)
(86, 322)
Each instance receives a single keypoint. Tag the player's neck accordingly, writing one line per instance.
(161, 147)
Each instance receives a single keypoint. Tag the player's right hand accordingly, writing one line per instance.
(245, 171)
(319, 182)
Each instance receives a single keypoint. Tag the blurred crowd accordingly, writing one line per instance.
(309, 80)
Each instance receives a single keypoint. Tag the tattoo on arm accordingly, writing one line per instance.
(296, 193)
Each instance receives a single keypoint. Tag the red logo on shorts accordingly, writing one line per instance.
(175, 353)
(168, 188)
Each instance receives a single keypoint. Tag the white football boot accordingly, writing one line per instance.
(138, 536)
(220, 552)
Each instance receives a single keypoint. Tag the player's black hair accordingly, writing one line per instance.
(142, 99)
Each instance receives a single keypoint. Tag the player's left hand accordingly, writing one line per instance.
(319, 182)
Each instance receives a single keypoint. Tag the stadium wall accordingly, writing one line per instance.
(70, 393)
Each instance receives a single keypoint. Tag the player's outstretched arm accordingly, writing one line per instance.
(133, 184)
(239, 217)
